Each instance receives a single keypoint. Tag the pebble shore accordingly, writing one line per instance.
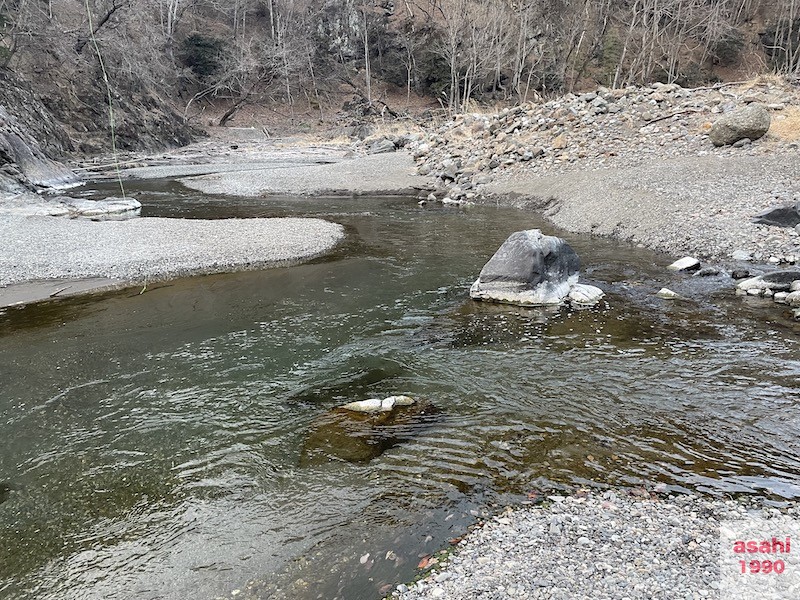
(593, 545)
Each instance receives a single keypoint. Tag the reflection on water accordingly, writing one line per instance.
(185, 443)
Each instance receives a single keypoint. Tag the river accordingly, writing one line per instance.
(176, 441)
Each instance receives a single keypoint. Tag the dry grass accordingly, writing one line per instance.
(786, 124)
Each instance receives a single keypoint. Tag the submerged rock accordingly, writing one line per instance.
(529, 269)
(355, 436)
(5, 492)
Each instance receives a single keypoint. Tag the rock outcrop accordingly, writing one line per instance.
(533, 269)
(23, 164)
(748, 123)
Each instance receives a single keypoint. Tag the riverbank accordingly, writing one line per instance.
(592, 545)
(635, 164)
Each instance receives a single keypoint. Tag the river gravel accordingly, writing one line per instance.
(598, 546)
(148, 249)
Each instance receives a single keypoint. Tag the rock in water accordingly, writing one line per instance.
(344, 435)
(366, 406)
(529, 269)
(750, 122)
(375, 405)
(585, 295)
(777, 281)
(686, 263)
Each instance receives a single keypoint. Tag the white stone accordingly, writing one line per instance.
(741, 255)
(755, 292)
(401, 400)
(795, 286)
(365, 406)
(585, 295)
(754, 283)
(667, 294)
(780, 297)
(793, 299)
(687, 263)
(387, 404)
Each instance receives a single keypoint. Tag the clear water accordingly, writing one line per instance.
(181, 442)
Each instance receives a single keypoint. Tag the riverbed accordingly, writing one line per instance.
(162, 442)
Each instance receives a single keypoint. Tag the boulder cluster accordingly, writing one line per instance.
(619, 127)
(782, 286)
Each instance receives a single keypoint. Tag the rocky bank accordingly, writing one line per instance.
(634, 163)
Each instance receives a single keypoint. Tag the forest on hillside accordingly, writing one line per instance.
(173, 57)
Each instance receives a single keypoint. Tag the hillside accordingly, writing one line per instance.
(161, 70)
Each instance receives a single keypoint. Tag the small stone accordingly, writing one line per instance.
(742, 255)
(793, 299)
(437, 592)
(794, 286)
(585, 295)
(740, 274)
(401, 400)
(667, 294)
(780, 297)
(754, 292)
(560, 143)
(686, 263)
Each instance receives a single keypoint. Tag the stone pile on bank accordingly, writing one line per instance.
(621, 127)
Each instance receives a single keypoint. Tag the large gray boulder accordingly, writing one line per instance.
(750, 122)
(529, 269)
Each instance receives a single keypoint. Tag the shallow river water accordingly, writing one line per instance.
(179, 443)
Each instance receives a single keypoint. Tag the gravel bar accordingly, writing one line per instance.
(381, 174)
(149, 249)
(599, 546)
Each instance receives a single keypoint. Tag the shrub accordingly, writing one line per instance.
(202, 54)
